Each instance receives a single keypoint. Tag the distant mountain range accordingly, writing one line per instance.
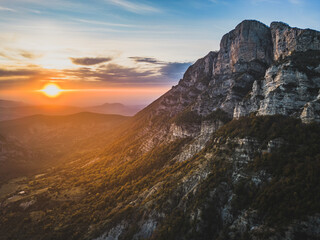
(12, 110)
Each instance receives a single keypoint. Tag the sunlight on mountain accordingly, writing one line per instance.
(159, 120)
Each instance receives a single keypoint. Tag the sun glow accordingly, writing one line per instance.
(51, 90)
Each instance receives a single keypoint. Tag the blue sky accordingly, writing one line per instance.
(122, 43)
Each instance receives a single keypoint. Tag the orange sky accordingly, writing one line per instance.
(86, 97)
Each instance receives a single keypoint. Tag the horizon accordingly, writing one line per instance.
(26, 104)
(118, 51)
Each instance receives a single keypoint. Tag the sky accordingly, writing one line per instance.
(119, 50)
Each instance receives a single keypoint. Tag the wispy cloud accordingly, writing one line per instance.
(112, 73)
(16, 72)
(89, 61)
(162, 74)
(22, 76)
(104, 23)
(34, 11)
(174, 70)
(16, 54)
(169, 70)
(147, 60)
(29, 55)
(7, 9)
(134, 7)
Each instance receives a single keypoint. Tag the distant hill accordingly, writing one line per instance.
(13, 110)
(32, 143)
(8, 113)
(116, 108)
(8, 103)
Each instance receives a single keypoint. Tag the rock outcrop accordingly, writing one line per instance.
(267, 70)
(287, 40)
(258, 69)
(221, 79)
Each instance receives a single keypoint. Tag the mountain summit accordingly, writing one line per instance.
(253, 57)
(232, 152)
(259, 69)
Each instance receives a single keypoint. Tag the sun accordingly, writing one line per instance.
(51, 90)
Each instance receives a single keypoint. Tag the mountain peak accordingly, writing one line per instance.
(287, 40)
(249, 57)
(249, 41)
(279, 25)
(247, 23)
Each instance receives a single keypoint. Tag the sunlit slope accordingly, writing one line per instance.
(260, 166)
(49, 139)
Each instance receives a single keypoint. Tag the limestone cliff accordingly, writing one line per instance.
(268, 70)
(258, 69)
(287, 40)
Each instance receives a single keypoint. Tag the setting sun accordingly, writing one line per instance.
(51, 90)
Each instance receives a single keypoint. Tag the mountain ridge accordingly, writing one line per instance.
(229, 79)
(13, 110)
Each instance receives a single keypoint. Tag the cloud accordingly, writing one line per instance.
(4, 55)
(133, 7)
(16, 72)
(16, 54)
(174, 70)
(24, 76)
(146, 60)
(89, 61)
(121, 71)
(27, 54)
(112, 73)
(7, 9)
(160, 74)
(105, 23)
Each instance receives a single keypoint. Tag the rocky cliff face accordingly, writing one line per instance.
(221, 79)
(258, 69)
(268, 70)
(291, 84)
(287, 40)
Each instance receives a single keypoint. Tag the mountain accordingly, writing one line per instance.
(13, 110)
(8, 103)
(231, 152)
(116, 108)
(37, 142)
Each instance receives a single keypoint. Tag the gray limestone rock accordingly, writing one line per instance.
(286, 40)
